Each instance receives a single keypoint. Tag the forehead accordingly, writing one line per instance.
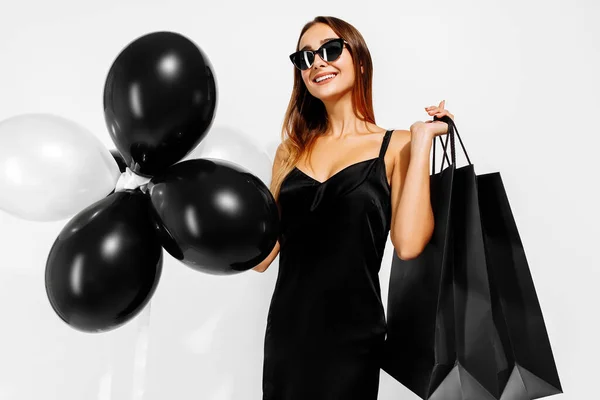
(315, 36)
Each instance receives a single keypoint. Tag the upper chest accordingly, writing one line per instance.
(331, 157)
(354, 189)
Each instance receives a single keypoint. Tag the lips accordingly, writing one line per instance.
(323, 74)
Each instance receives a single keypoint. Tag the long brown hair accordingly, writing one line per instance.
(306, 117)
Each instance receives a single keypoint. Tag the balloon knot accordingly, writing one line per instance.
(129, 180)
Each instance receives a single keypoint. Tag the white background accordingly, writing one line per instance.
(521, 78)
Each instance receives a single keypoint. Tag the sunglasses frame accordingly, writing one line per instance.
(316, 52)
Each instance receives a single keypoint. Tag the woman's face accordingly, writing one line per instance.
(343, 67)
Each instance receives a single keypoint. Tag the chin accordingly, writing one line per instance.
(328, 95)
(329, 92)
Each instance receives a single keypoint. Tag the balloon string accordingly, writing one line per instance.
(141, 353)
(105, 390)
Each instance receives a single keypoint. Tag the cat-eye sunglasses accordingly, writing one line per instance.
(330, 51)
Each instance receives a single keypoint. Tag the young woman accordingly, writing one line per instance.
(342, 183)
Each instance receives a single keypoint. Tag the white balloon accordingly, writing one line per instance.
(51, 167)
(227, 143)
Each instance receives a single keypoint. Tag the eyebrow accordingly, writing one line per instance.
(322, 41)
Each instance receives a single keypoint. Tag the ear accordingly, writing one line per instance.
(362, 70)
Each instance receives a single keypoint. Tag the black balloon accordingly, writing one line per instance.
(160, 98)
(214, 216)
(105, 264)
(119, 159)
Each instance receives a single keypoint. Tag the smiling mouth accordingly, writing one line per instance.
(327, 79)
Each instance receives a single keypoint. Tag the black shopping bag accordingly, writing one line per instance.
(441, 341)
(433, 344)
(516, 305)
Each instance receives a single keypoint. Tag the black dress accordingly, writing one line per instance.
(326, 323)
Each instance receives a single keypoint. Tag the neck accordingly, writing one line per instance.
(342, 120)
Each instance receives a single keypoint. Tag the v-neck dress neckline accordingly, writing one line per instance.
(380, 158)
(337, 173)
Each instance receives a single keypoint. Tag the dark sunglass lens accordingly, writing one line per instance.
(331, 50)
(303, 59)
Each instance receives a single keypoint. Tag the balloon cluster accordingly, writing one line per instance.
(214, 216)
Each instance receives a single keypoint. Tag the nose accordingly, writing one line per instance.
(318, 61)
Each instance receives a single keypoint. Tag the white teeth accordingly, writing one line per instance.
(322, 78)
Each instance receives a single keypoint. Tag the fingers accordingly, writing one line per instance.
(445, 112)
(434, 110)
(439, 111)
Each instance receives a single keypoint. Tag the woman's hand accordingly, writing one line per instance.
(430, 129)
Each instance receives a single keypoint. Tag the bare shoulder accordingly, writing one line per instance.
(398, 143)
(399, 138)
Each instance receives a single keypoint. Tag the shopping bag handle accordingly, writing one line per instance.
(450, 135)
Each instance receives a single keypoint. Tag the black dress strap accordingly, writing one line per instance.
(385, 142)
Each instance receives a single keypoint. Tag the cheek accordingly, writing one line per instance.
(348, 72)
(347, 67)
(305, 79)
